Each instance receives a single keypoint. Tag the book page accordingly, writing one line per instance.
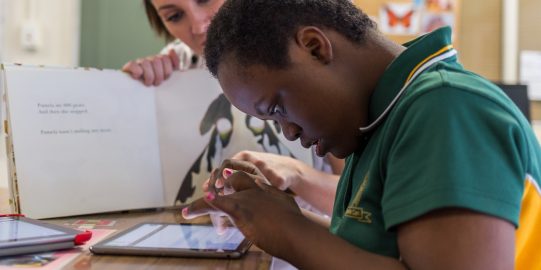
(85, 141)
(198, 128)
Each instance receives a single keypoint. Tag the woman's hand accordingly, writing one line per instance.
(153, 70)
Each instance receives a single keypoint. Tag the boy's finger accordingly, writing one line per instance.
(197, 208)
(224, 203)
(240, 165)
(214, 175)
(240, 181)
(206, 185)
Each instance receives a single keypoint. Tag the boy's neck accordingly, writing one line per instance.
(370, 60)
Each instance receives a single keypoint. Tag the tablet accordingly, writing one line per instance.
(178, 240)
(20, 235)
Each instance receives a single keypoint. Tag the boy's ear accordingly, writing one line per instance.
(314, 41)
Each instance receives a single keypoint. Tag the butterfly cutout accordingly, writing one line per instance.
(395, 19)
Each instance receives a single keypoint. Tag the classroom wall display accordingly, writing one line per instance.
(403, 20)
(399, 18)
(530, 72)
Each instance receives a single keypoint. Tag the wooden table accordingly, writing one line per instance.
(254, 259)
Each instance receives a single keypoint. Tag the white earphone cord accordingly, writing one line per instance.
(380, 118)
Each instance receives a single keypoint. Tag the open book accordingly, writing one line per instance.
(83, 141)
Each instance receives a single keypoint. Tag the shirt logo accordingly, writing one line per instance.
(356, 212)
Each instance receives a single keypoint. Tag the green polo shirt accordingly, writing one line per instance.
(452, 140)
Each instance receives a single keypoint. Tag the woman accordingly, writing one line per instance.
(184, 23)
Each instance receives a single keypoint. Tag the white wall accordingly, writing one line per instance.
(57, 23)
(2, 22)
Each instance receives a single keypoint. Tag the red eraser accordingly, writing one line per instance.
(82, 238)
(11, 215)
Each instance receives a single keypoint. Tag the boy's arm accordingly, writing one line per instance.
(445, 239)
(457, 238)
(450, 238)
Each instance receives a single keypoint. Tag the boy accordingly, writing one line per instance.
(438, 158)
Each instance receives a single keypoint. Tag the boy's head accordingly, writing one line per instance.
(259, 31)
(303, 63)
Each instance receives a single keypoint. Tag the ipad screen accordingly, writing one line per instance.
(14, 230)
(182, 236)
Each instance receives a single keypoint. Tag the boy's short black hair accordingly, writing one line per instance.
(258, 31)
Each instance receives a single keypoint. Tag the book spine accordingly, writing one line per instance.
(12, 173)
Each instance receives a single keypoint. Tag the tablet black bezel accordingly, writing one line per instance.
(103, 248)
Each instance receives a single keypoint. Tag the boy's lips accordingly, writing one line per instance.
(318, 146)
(308, 144)
(319, 149)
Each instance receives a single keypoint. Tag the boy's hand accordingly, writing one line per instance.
(218, 182)
(259, 210)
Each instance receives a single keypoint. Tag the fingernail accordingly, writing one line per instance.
(210, 196)
(185, 212)
(227, 172)
(219, 183)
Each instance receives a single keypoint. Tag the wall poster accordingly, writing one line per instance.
(403, 20)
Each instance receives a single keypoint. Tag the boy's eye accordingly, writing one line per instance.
(202, 1)
(175, 17)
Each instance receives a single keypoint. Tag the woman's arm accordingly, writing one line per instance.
(337, 164)
(325, 222)
(315, 187)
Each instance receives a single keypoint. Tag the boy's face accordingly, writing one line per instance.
(308, 100)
